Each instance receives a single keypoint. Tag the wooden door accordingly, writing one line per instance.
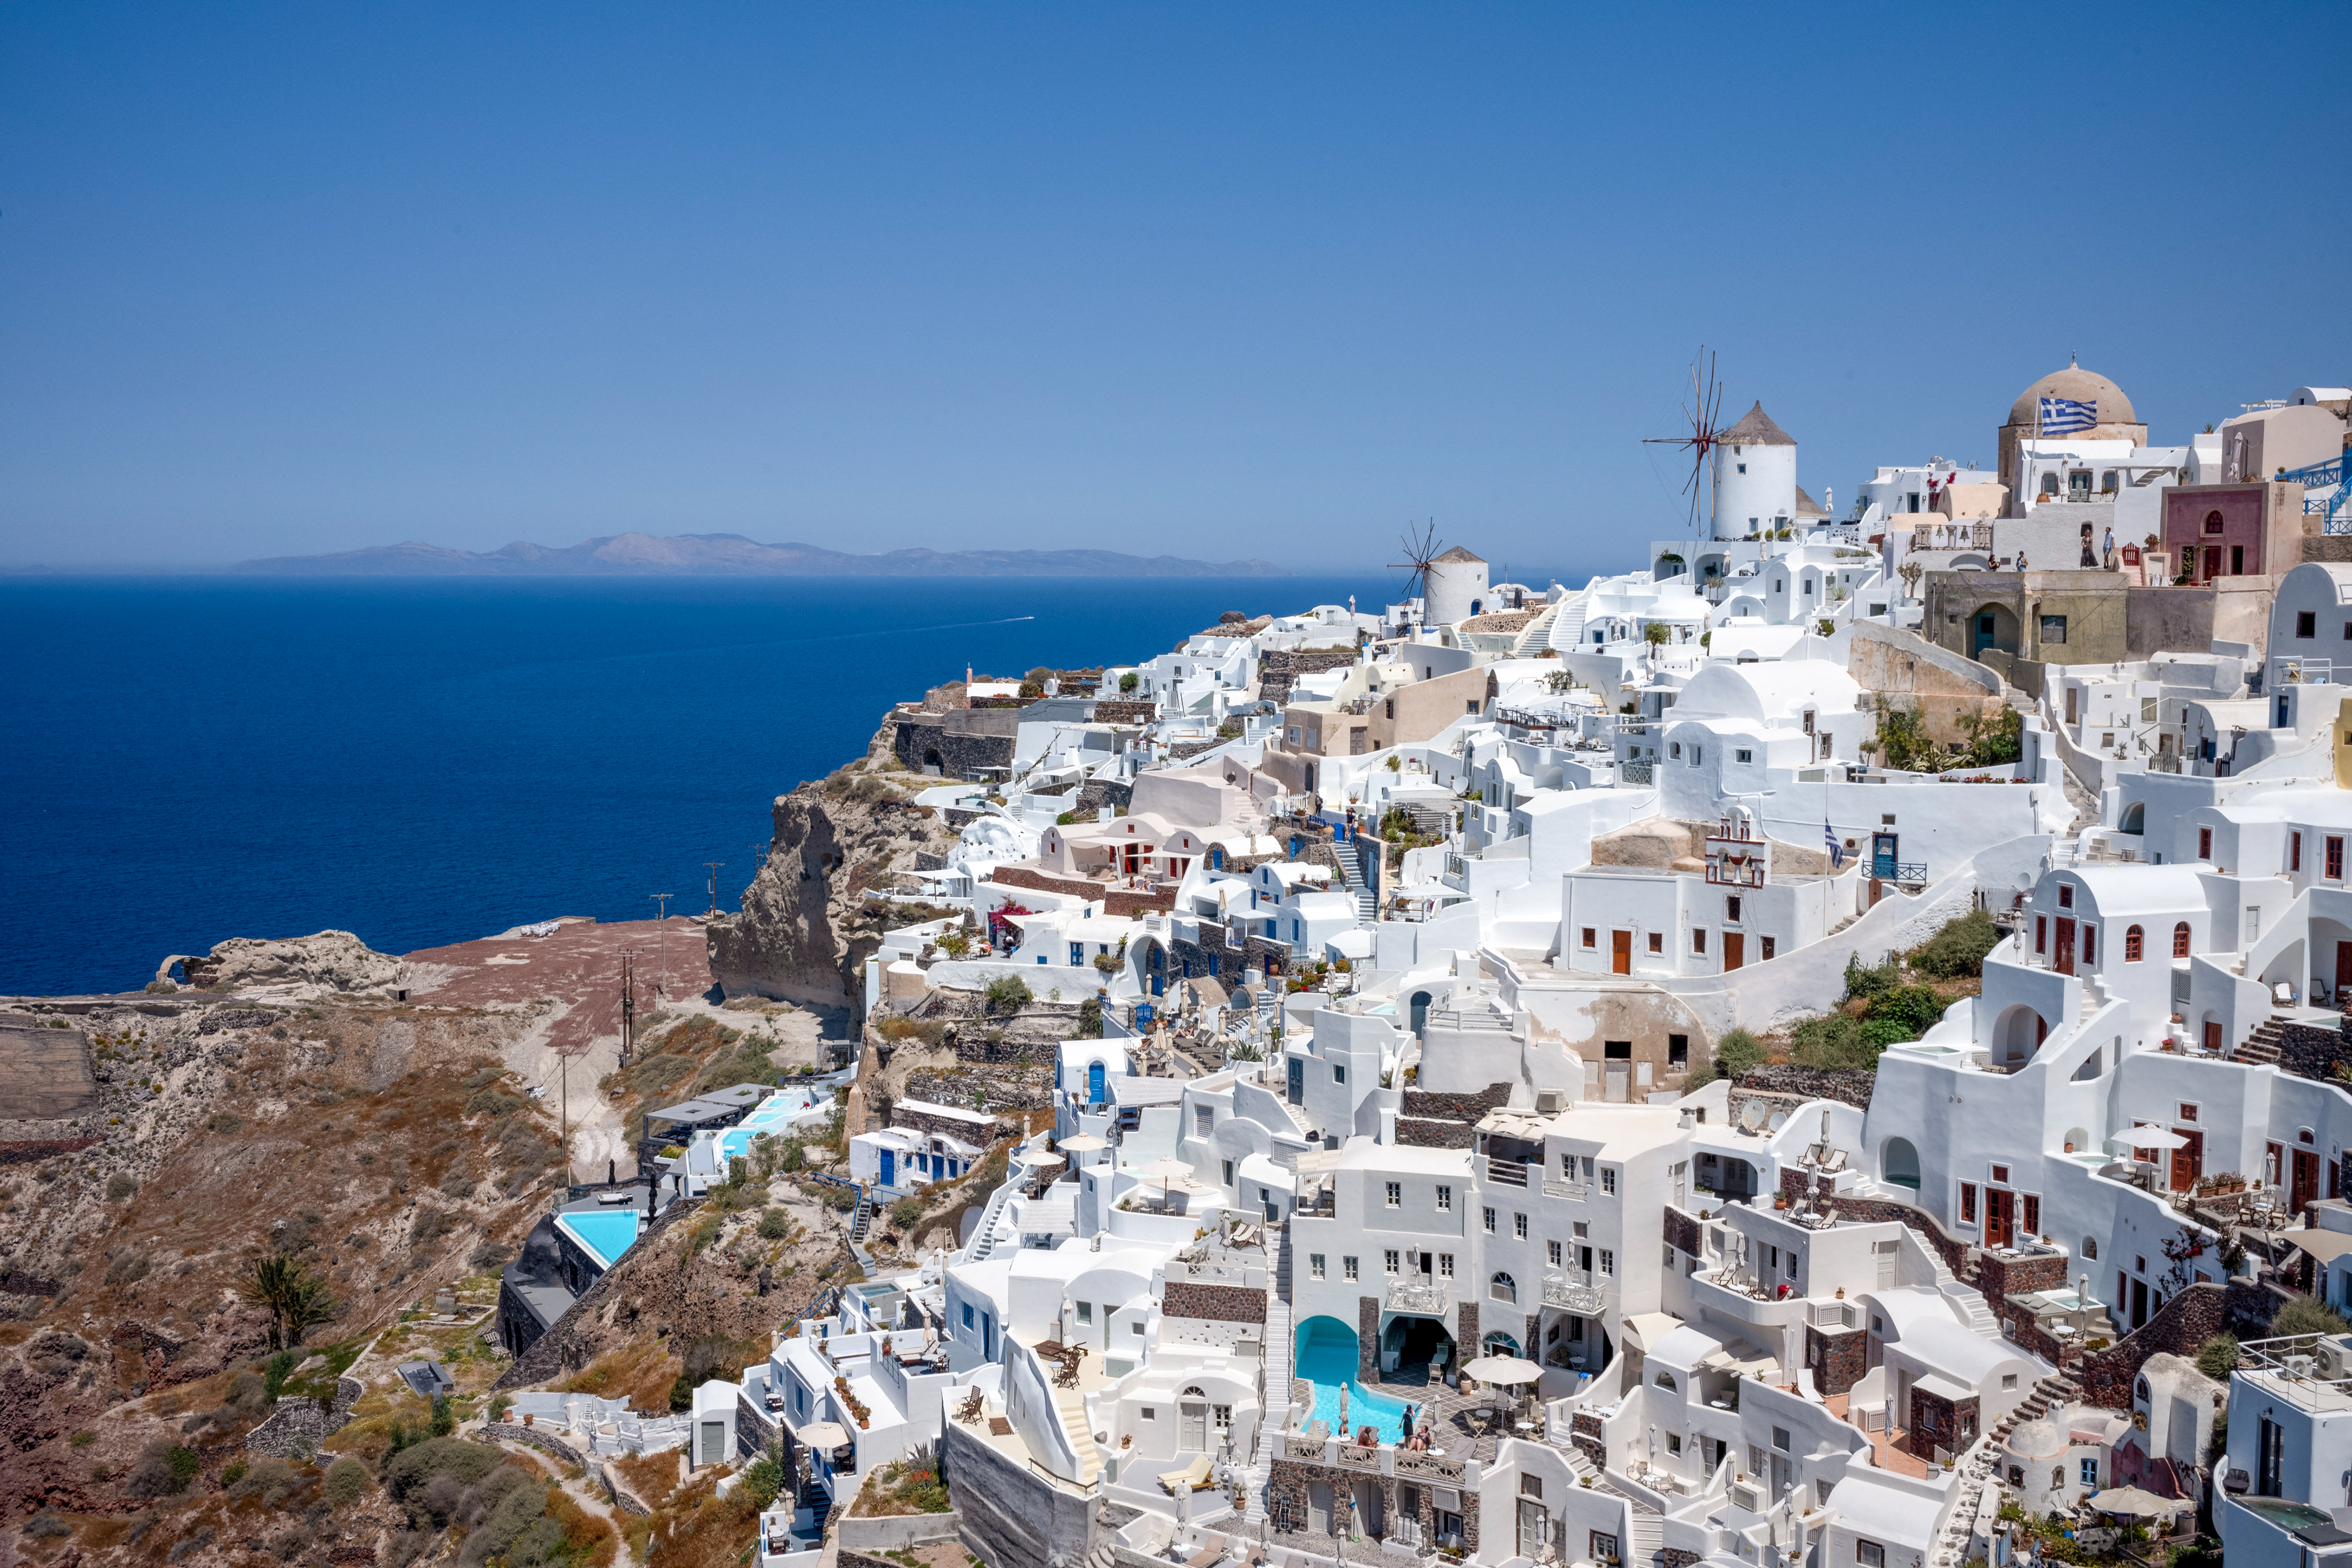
(1735, 950)
(2139, 1303)
(1193, 1435)
(2063, 960)
(2189, 1160)
(2343, 970)
(1531, 1527)
(2214, 1037)
(1621, 952)
(2305, 1184)
(1319, 1508)
(2001, 1212)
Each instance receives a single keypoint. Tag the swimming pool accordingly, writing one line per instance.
(605, 1234)
(1327, 1358)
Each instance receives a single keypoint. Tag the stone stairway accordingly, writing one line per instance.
(1071, 1407)
(2058, 1388)
(2261, 1047)
(983, 1235)
(1649, 1527)
(1351, 878)
(1536, 635)
(1277, 1401)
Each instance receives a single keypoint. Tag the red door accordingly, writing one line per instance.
(2343, 974)
(1735, 950)
(2305, 1184)
(1621, 952)
(2000, 1207)
(2189, 1160)
(2063, 962)
(2213, 562)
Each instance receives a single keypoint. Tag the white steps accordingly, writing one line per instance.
(1277, 1400)
(1071, 1407)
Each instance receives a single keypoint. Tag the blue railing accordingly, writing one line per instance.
(2334, 477)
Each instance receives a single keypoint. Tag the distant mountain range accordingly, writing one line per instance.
(732, 555)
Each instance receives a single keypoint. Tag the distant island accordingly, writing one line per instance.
(732, 555)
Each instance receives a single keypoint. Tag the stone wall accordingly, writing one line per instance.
(2313, 1053)
(2187, 1321)
(1870, 1210)
(1125, 710)
(1288, 1478)
(1367, 1341)
(923, 741)
(905, 1115)
(533, 1438)
(1278, 670)
(30, 1151)
(1849, 1087)
(1009, 1514)
(1837, 1360)
(1430, 1120)
(1097, 793)
(1681, 1231)
(296, 1427)
(1225, 1303)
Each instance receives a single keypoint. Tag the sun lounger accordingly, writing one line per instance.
(1191, 1478)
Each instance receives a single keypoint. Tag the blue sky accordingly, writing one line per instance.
(1220, 281)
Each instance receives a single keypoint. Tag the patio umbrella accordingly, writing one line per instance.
(2135, 1502)
(824, 1435)
(2144, 1135)
(1506, 1370)
(1165, 1169)
(1083, 1144)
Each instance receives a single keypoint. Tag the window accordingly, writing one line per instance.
(1870, 1554)
(1151, 1413)
(1698, 755)
(1389, 1262)
(2031, 1208)
(1520, 1226)
(1589, 935)
(2295, 852)
(2053, 628)
(1967, 1203)
(1204, 1121)
(2335, 858)
(1698, 941)
(2066, 895)
(1665, 1380)
(1551, 1253)
(1396, 1195)
(2000, 1176)
(1770, 947)
(1338, 1073)
(1607, 1261)
(1444, 1200)
(1503, 1288)
(1568, 1167)
(1657, 941)
(967, 1314)
(1678, 1045)
(1229, 1173)
(1673, 749)
(2041, 934)
(1744, 755)
(2306, 623)
(1609, 1179)
(2133, 942)
(1086, 1311)
(2204, 843)
(2090, 943)
(1731, 907)
(1780, 1439)
(1445, 1265)
(2270, 1458)
(2089, 1471)
(2187, 1112)
(1315, 1266)
(2180, 940)
(1489, 1217)
(1348, 1268)
(1221, 1417)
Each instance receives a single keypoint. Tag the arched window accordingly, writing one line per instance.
(1503, 1288)
(2212, 522)
(2090, 1248)
(2180, 940)
(1194, 1391)
(1665, 1380)
(2132, 944)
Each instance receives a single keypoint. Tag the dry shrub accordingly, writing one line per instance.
(588, 1541)
(640, 1373)
(700, 1531)
(653, 1477)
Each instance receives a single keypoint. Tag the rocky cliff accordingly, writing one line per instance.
(805, 927)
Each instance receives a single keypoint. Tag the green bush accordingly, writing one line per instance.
(905, 1212)
(1884, 1032)
(1958, 950)
(764, 1479)
(407, 1472)
(1007, 994)
(1833, 1041)
(1861, 982)
(1129, 680)
(444, 1415)
(2306, 1315)
(1738, 1051)
(347, 1480)
(1916, 1007)
(2218, 1357)
(774, 1225)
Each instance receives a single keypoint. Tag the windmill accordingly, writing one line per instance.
(1419, 550)
(1706, 430)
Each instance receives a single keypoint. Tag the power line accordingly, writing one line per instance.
(714, 866)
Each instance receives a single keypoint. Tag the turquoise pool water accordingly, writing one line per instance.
(1327, 1358)
(605, 1234)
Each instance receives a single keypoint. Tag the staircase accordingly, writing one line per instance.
(1964, 1296)
(862, 1217)
(2058, 1388)
(815, 1506)
(1649, 1527)
(2261, 1047)
(1351, 877)
(983, 1235)
(1536, 636)
(1276, 1403)
(1071, 1407)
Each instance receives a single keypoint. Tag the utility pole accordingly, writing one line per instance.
(661, 926)
(628, 1007)
(759, 859)
(714, 866)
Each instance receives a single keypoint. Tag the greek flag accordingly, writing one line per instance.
(2062, 414)
(1837, 850)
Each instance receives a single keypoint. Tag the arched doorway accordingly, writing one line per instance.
(1419, 1013)
(1094, 1083)
(2016, 1035)
(1497, 1342)
(2134, 820)
(931, 762)
(1898, 1164)
(1993, 626)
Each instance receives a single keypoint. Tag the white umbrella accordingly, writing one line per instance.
(2133, 1501)
(1503, 1369)
(2145, 1135)
(824, 1435)
(1165, 1170)
(1083, 1144)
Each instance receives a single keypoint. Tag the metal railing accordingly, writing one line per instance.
(1430, 1297)
(1510, 1173)
(1571, 1296)
(1635, 772)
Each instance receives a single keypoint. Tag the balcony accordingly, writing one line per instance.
(1554, 1186)
(1636, 772)
(1422, 1295)
(1508, 1173)
(1571, 1296)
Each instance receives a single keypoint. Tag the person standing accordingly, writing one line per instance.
(2107, 548)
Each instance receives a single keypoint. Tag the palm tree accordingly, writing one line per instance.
(294, 1299)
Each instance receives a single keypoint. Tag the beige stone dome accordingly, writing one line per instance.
(2082, 386)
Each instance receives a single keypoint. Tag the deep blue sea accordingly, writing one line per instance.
(426, 761)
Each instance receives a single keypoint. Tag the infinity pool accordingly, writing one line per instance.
(1327, 1358)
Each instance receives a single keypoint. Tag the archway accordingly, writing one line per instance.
(1993, 626)
(932, 763)
(1898, 1164)
(2078, 1140)
(1419, 1012)
(2134, 820)
(1497, 1342)
(2016, 1034)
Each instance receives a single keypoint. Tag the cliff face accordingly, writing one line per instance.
(805, 930)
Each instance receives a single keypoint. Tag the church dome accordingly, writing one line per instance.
(2080, 385)
(2037, 1440)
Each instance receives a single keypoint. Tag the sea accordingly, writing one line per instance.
(426, 761)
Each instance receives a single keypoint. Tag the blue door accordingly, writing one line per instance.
(889, 1168)
(1156, 982)
(988, 1336)
(1094, 1083)
(1882, 854)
